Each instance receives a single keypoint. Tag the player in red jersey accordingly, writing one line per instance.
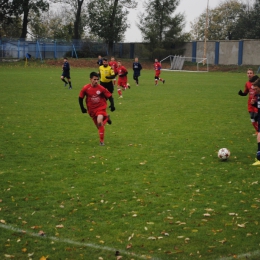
(113, 65)
(157, 67)
(249, 89)
(96, 101)
(122, 79)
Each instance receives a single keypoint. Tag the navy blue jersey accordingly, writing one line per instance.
(66, 66)
(137, 66)
(100, 62)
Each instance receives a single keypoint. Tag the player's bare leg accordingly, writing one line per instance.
(101, 129)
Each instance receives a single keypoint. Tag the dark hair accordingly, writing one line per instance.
(105, 59)
(254, 78)
(257, 83)
(93, 74)
(65, 58)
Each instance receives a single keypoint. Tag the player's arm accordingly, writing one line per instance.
(112, 106)
(83, 109)
(124, 74)
(112, 75)
(241, 93)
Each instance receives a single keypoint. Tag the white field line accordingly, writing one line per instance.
(69, 241)
(246, 255)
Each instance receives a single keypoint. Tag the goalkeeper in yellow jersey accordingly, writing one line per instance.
(107, 75)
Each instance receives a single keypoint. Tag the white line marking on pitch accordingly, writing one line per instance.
(68, 241)
(250, 254)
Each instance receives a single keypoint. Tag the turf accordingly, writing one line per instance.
(156, 190)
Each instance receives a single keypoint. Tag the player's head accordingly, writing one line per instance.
(65, 58)
(112, 58)
(155, 60)
(99, 57)
(105, 63)
(119, 63)
(254, 78)
(250, 73)
(136, 59)
(256, 85)
(94, 78)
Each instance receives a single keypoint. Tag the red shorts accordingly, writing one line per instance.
(94, 114)
(157, 73)
(122, 82)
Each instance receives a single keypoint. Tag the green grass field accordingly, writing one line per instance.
(156, 190)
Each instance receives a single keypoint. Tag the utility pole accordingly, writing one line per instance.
(206, 34)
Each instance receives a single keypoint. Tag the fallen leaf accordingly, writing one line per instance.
(223, 241)
(2, 221)
(128, 246)
(131, 237)
(242, 225)
(24, 250)
(41, 233)
(9, 256)
(60, 226)
(153, 238)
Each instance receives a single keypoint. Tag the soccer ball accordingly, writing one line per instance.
(223, 154)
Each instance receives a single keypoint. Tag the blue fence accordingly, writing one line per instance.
(17, 49)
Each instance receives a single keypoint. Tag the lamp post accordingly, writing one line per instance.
(206, 33)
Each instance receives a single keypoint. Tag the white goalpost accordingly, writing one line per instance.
(182, 63)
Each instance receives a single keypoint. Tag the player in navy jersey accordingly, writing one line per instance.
(137, 70)
(100, 60)
(66, 73)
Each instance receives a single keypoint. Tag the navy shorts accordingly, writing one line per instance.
(66, 74)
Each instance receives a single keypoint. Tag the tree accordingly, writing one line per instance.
(107, 19)
(159, 27)
(9, 20)
(221, 21)
(27, 6)
(52, 25)
(79, 18)
(248, 24)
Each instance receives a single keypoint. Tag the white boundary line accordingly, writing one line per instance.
(249, 254)
(69, 241)
(200, 71)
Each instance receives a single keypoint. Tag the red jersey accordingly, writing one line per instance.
(120, 71)
(249, 89)
(157, 65)
(113, 65)
(122, 81)
(96, 98)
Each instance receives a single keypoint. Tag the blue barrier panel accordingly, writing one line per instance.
(216, 53)
(194, 51)
(240, 52)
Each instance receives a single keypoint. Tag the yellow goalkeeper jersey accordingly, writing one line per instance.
(104, 72)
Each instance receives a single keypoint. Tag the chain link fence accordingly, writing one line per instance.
(15, 49)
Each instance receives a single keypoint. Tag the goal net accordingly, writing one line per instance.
(182, 63)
